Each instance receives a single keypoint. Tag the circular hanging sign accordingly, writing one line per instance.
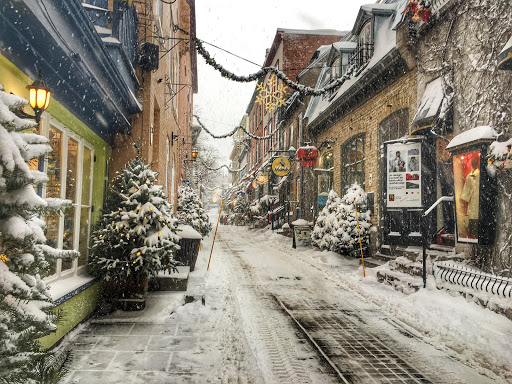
(281, 166)
(307, 156)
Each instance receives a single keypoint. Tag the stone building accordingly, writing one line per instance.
(290, 52)
(376, 104)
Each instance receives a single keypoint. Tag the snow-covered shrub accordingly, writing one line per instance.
(189, 208)
(325, 234)
(25, 304)
(348, 222)
(336, 226)
(242, 212)
(137, 233)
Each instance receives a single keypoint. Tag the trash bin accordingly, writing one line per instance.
(189, 245)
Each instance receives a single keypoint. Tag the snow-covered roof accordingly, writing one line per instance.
(342, 45)
(430, 103)
(300, 222)
(187, 232)
(482, 133)
(385, 41)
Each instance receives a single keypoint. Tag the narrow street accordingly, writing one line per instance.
(271, 315)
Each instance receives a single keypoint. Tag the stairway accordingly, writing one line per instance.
(402, 267)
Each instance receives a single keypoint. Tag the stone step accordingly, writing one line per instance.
(175, 281)
(370, 262)
(402, 282)
(383, 257)
(413, 268)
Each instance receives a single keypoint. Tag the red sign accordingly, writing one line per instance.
(307, 156)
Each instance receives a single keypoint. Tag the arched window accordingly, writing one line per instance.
(352, 162)
(394, 126)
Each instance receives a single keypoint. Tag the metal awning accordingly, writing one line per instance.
(505, 56)
(429, 107)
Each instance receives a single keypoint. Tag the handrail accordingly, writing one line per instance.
(441, 199)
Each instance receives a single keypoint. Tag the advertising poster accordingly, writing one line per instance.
(404, 175)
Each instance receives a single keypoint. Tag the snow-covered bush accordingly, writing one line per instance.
(189, 208)
(325, 234)
(242, 212)
(336, 226)
(25, 304)
(137, 233)
(348, 222)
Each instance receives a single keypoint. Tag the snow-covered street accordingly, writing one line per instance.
(273, 314)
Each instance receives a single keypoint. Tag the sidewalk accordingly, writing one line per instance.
(150, 346)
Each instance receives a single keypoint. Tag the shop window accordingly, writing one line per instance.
(352, 162)
(466, 172)
(69, 169)
(325, 176)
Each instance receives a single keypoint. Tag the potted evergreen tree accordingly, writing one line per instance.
(136, 237)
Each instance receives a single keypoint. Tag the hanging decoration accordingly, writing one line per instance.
(306, 91)
(307, 156)
(417, 9)
(499, 155)
(271, 94)
(235, 130)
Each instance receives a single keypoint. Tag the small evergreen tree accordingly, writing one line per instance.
(242, 211)
(190, 208)
(25, 304)
(137, 238)
(325, 232)
(349, 236)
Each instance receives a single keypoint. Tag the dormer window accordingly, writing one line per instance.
(335, 69)
(364, 50)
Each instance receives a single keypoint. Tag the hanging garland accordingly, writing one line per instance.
(235, 130)
(304, 90)
(231, 170)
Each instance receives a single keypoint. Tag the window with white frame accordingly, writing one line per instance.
(70, 170)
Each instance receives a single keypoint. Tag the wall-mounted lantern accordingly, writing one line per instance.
(195, 152)
(475, 188)
(39, 95)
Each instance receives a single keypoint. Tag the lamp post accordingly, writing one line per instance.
(39, 95)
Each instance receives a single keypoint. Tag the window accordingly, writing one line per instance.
(394, 126)
(158, 13)
(335, 68)
(352, 162)
(364, 50)
(69, 230)
(325, 178)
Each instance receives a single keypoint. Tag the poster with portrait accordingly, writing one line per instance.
(403, 175)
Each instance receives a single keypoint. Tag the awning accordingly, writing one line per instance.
(429, 107)
(505, 56)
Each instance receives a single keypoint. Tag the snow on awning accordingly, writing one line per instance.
(472, 136)
(430, 106)
(505, 56)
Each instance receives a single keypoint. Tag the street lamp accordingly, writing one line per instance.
(39, 95)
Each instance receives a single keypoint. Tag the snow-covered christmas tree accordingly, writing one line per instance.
(137, 238)
(25, 304)
(190, 210)
(325, 232)
(242, 212)
(348, 222)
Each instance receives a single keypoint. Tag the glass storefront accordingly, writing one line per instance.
(69, 168)
(466, 172)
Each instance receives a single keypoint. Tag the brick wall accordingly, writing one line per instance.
(365, 119)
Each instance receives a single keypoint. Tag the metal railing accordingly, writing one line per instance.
(472, 278)
(362, 54)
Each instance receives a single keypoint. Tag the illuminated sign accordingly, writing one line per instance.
(281, 166)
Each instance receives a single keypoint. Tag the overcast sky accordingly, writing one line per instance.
(247, 29)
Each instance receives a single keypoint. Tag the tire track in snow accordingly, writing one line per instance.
(265, 326)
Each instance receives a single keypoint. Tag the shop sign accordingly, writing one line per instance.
(404, 175)
(302, 235)
(281, 166)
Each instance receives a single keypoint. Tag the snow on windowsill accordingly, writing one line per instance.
(64, 289)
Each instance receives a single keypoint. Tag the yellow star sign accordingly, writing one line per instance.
(271, 94)
(4, 258)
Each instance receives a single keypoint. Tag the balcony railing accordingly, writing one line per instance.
(361, 55)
